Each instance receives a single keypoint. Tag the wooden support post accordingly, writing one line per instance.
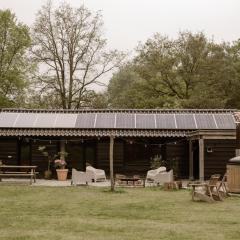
(238, 139)
(201, 159)
(191, 177)
(111, 162)
(62, 150)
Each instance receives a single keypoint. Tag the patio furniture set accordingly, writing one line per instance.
(154, 177)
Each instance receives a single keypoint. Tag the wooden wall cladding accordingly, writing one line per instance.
(103, 155)
(177, 158)
(75, 157)
(38, 159)
(9, 151)
(217, 153)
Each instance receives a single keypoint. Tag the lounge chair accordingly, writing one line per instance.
(95, 174)
(159, 176)
(208, 192)
(164, 177)
(79, 178)
(151, 174)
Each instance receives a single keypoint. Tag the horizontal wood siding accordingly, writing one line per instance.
(75, 156)
(9, 151)
(103, 155)
(178, 159)
(37, 157)
(139, 154)
(216, 161)
(137, 158)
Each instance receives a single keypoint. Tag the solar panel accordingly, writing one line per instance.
(26, 120)
(8, 119)
(205, 121)
(85, 120)
(45, 120)
(185, 121)
(125, 120)
(165, 121)
(105, 120)
(225, 121)
(66, 120)
(145, 121)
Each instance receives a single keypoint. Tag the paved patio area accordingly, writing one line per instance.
(56, 183)
(49, 183)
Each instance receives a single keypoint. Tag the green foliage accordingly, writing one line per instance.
(50, 155)
(157, 161)
(188, 72)
(14, 66)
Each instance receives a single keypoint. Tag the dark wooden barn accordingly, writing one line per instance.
(196, 143)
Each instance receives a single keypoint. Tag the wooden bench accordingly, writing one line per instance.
(7, 171)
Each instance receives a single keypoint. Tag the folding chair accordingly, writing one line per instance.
(209, 191)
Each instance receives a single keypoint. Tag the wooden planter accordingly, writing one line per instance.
(62, 174)
(233, 178)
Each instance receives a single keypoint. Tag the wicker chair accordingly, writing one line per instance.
(151, 174)
(79, 178)
(95, 174)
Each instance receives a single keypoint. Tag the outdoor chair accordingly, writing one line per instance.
(79, 178)
(164, 177)
(95, 174)
(222, 188)
(208, 192)
(151, 174)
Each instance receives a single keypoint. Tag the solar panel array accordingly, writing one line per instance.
(117, 120)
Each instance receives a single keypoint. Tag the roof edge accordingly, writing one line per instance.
(24, 110)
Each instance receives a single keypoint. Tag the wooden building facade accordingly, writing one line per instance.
(195, 143)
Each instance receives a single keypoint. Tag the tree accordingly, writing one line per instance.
(69, 46)
(14, 66)
(231, 83)
(189, 72)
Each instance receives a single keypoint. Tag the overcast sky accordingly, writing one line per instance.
(129, 21)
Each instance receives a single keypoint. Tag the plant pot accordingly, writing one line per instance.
(62, 174)
(48, 174)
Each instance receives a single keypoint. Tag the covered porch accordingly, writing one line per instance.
(195, 143)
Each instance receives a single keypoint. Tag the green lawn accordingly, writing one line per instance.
(95, 213)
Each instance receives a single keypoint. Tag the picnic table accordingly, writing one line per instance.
(18, 170)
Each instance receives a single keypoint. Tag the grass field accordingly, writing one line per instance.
(95, 213)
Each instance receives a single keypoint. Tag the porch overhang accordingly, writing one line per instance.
(18, 132)
(212, 134)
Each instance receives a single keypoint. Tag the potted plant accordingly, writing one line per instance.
(60, 169)
(50, 158)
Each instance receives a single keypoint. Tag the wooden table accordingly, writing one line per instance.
(8, 171)
(133, 180)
